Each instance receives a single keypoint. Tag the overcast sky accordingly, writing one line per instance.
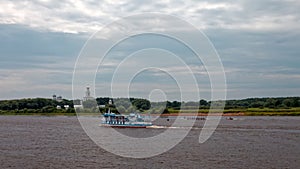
(258, 43)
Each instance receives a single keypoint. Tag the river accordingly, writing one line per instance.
(60, 142)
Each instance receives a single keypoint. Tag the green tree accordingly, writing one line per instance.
(257, 104)
(141, 104)
(288, 102)
(270, 103)
(203, 102)
(176, 105)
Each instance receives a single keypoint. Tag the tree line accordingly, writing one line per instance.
(35, 105)
(124, 105)
(280, 102)
(143, 104)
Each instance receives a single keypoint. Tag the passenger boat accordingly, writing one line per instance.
(133, 120)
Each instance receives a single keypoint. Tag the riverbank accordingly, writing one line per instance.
(238, 112)
(235, 114)
(201, 112)
(163, 115)
(37, 114)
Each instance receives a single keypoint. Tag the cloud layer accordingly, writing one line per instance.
(88, 16)
(258, 42)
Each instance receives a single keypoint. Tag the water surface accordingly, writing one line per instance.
(60, 142)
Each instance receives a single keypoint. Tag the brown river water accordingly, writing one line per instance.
(60, 142)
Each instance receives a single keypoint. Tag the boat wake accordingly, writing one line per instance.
(170, 127)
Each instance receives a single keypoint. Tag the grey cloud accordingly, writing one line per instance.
(23, 46)
(89, 16)
(258, 41)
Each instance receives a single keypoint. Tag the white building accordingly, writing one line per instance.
(66, 107)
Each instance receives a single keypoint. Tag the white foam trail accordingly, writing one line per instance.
(169, 127)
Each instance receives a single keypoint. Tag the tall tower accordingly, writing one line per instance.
(87, 94)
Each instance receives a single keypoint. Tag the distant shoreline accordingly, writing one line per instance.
(171, 114)
(201, 114)
(281, 106)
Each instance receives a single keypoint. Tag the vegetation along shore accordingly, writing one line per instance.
(281, 106)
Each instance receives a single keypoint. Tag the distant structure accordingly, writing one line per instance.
(66, 107)
(77, 107)
(57, 98)
(87, 94)
(78, 104)
(54, 97)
